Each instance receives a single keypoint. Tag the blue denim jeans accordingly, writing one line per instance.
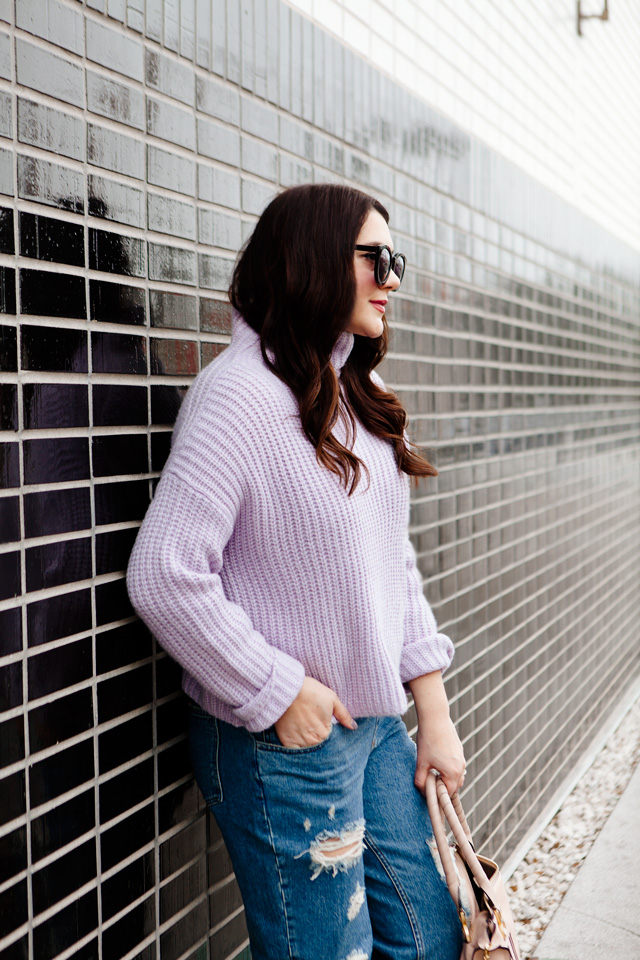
(329, 843)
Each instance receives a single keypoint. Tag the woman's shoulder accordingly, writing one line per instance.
(226, 418)
(236, 387)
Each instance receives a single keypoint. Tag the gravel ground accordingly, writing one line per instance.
(539, 883)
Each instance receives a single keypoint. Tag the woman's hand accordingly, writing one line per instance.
(308, 720)
(439, 746)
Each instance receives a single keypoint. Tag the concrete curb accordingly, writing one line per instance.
(597, 916)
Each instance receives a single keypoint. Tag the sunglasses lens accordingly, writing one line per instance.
(383, 265)
(399, 263)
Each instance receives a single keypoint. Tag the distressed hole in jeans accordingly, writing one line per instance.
(356, 901)
(358, 955)
(336, 851)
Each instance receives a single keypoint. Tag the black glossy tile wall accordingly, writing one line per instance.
(143, 140)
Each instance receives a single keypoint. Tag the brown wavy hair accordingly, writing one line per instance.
(294, 284)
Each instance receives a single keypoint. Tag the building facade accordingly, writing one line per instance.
(139, 141)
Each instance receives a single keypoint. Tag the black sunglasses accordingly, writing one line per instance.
(385, 261)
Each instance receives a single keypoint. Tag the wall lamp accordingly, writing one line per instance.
(590, 16)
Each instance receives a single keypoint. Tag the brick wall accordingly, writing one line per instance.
(138, 143)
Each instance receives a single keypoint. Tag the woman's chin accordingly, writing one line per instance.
(367, 328)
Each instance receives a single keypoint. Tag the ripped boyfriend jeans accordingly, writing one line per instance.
(329, 843)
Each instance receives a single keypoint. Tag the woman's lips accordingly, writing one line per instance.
(379, 304)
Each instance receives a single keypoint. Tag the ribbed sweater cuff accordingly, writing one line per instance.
(425, 656)
(278, 693)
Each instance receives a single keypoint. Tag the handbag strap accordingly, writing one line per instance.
(445, 851)
(457, 806)
(440, 807)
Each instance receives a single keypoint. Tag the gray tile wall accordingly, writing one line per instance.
(138, 143)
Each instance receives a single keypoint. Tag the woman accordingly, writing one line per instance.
(274, 565)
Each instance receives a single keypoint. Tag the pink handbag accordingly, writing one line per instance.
(474, 882)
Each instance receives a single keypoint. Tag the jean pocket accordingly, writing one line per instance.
(204, 747)
(269, 739)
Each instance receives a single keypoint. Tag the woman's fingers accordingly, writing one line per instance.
(341, 713)
(452, 781)
(453, 777)
(453, 784)
(307, 720)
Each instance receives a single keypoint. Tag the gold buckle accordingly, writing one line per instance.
(495, 914)
(501, 923)
(466, 933)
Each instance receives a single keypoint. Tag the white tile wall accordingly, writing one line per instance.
(516, 74)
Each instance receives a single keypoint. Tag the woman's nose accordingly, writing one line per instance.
(392, 281)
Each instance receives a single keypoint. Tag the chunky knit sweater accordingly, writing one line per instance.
(253, 567)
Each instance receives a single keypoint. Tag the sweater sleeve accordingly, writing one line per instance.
(424, 650)
(174, 584)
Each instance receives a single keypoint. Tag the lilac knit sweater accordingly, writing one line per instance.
(253, 567)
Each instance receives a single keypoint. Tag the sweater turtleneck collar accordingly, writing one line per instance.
(242, 333)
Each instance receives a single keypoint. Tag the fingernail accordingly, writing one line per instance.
(354, 725)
